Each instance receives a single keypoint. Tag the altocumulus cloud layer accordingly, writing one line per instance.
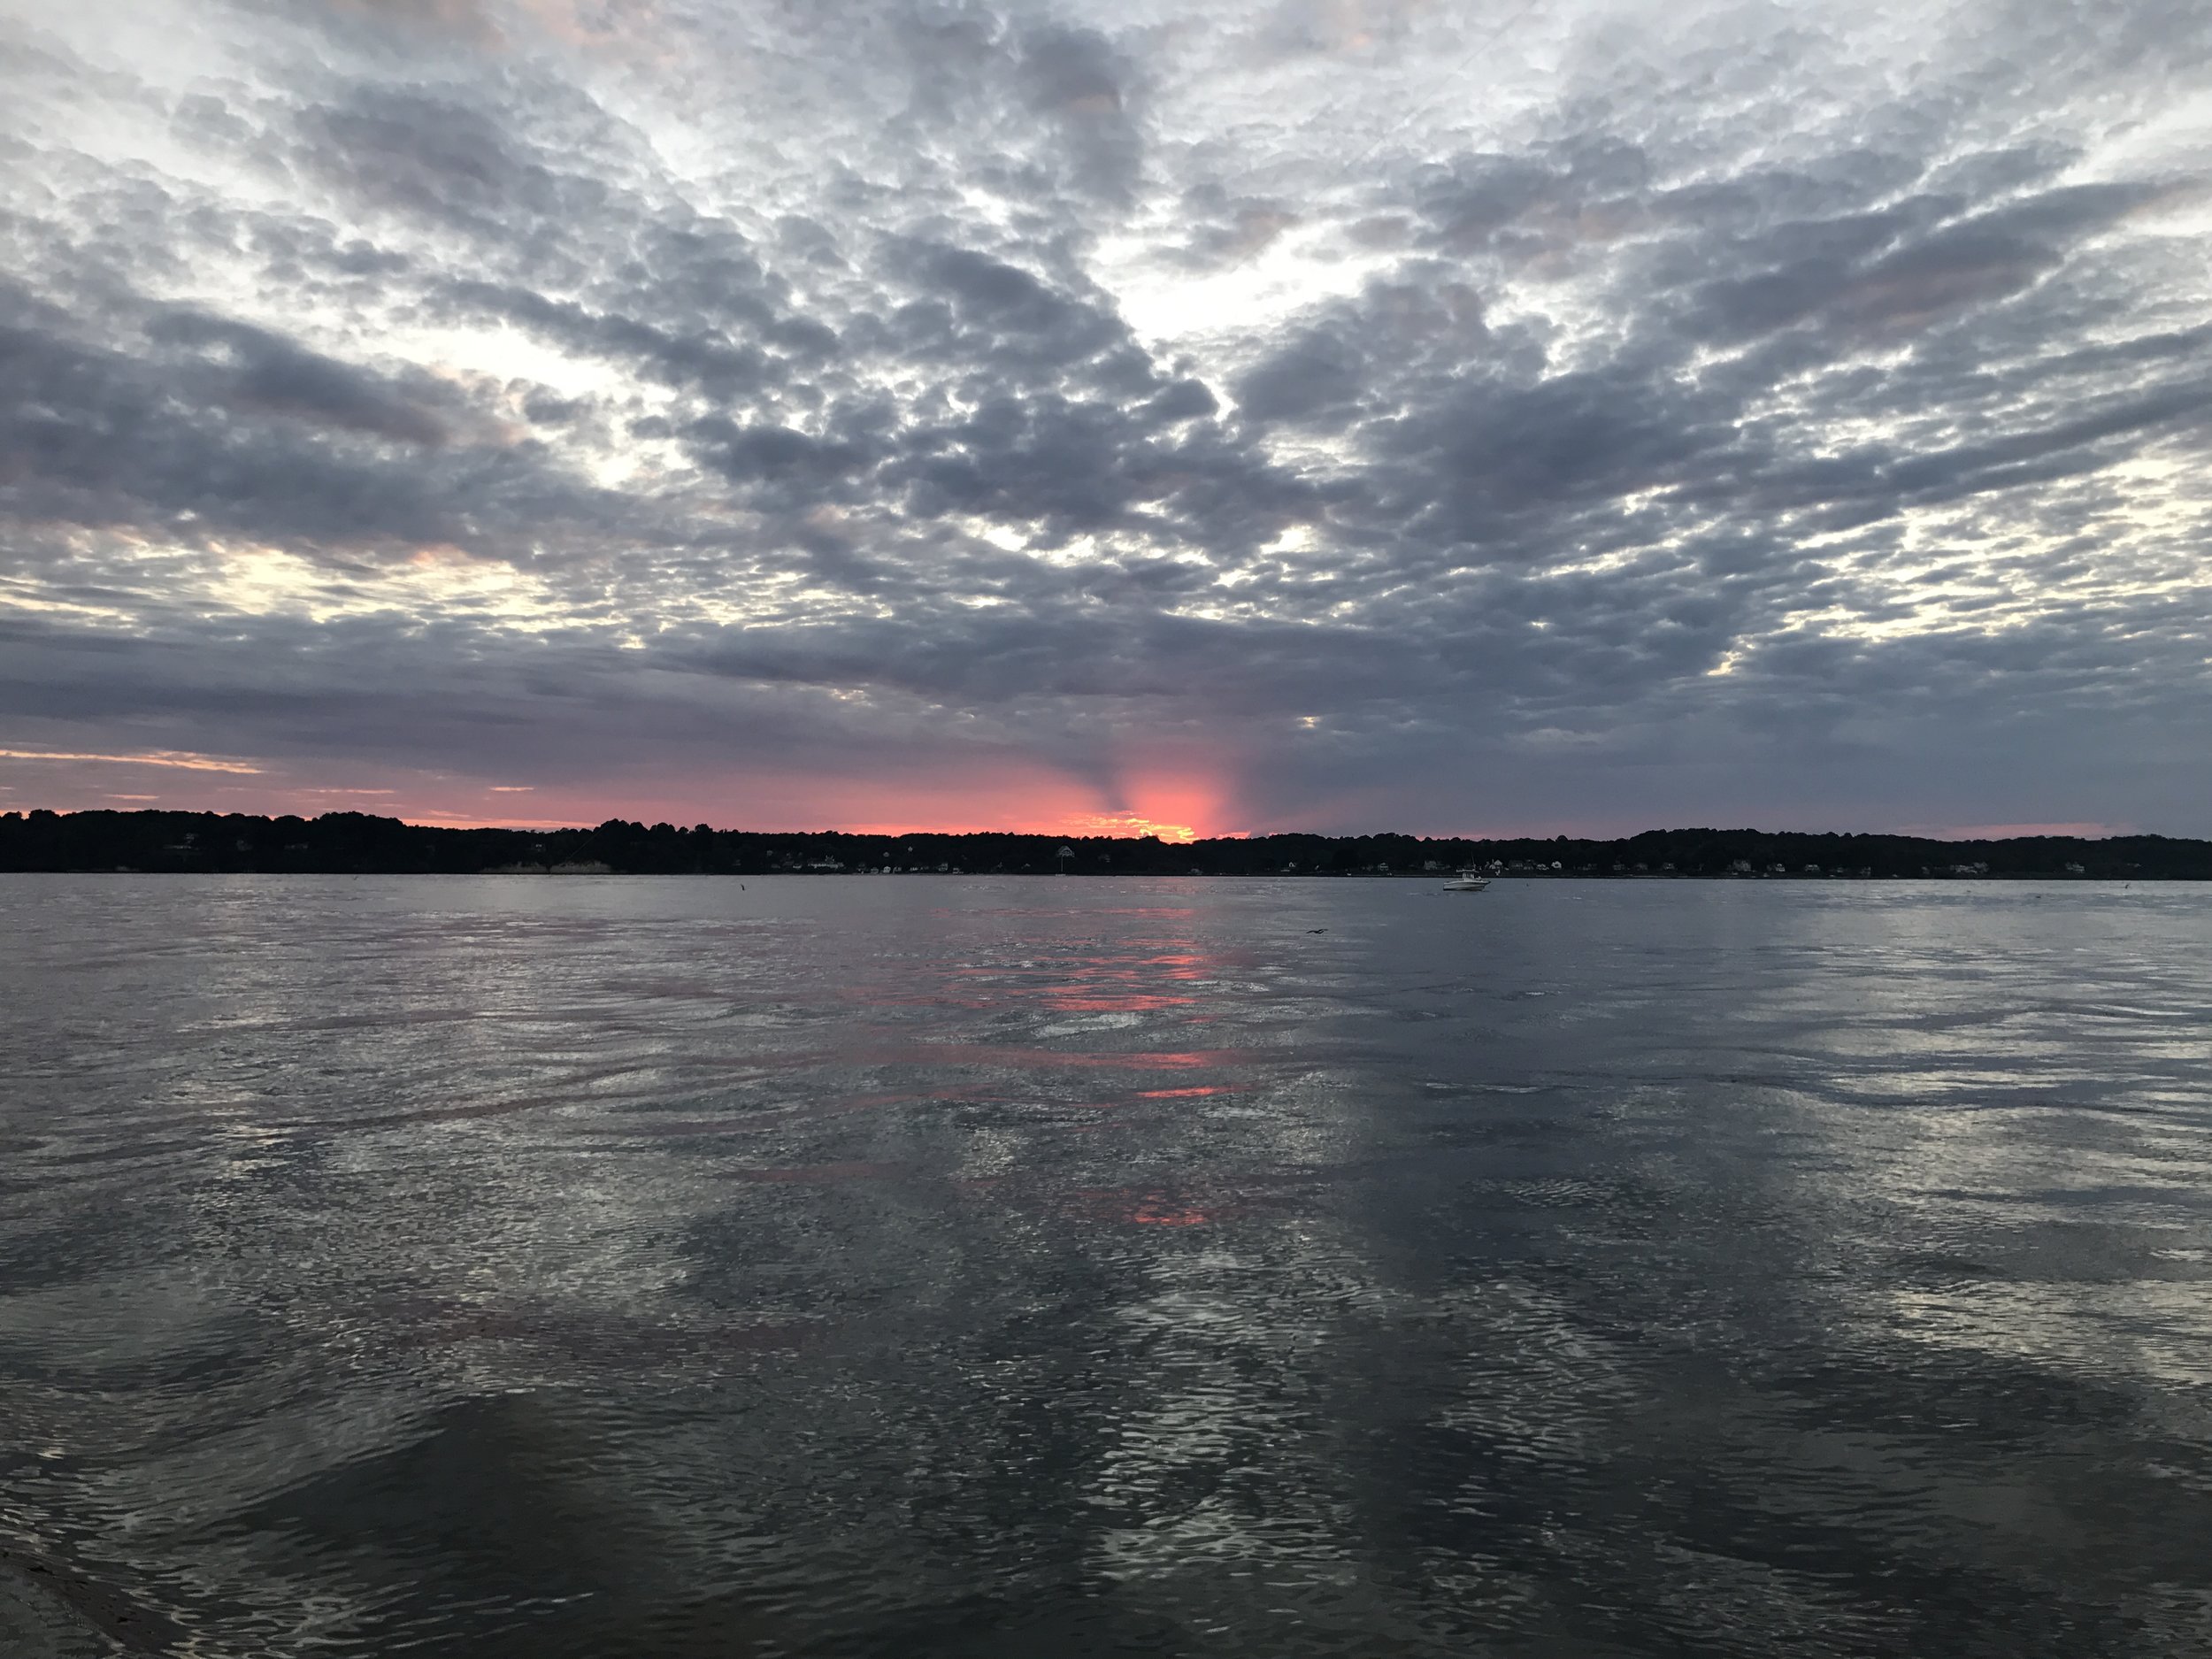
(1317, 413)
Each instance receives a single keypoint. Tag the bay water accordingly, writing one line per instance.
(954, 1266)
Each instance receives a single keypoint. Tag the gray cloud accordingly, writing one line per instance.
(267, 372)
(1797, 416)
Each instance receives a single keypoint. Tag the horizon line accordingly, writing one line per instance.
(1974, 833)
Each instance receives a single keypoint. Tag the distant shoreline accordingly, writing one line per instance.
(355, 843)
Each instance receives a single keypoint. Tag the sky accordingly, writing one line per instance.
(1335, 415)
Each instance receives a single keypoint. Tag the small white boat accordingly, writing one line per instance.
(1466, 881)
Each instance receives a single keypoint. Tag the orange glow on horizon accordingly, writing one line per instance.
(1177, 795)
(1003, 800)
(1132, 825)
(1026, 803)
(1174, 791)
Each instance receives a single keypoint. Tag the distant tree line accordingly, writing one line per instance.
(358, 843)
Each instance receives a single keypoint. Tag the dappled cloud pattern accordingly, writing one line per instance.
(1291, 415)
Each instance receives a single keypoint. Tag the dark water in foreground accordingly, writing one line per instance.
(933, 1267)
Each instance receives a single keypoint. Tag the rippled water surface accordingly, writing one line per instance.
(923, 1266)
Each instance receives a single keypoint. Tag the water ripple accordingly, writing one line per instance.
(934, 1267)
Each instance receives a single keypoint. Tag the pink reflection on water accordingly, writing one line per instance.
(1239, 1198)
(1162, 1215)
(1111, 1002)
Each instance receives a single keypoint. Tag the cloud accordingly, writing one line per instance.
(269, 372)
(158, 758)
(1789, 414)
